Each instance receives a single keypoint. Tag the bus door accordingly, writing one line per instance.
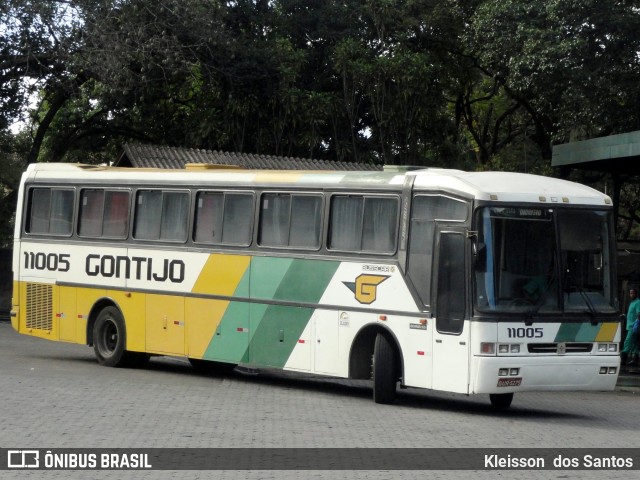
(451, 345)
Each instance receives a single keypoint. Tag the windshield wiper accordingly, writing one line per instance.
(592, 310)
(540, 302)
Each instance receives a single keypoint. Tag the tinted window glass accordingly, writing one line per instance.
(238, 219)
(363, 223)
(104, 214)
(346, 223)
(274, 220)
(51, 211)
(224, 218)
(161, 215)
(425, 211)
(288, 220)
(305, 221)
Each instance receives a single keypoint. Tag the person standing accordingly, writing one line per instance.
(629, 352)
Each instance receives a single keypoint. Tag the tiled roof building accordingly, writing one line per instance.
(154, 156)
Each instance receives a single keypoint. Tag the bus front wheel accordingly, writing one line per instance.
(109, 341)
(501, 401)
(385, 368)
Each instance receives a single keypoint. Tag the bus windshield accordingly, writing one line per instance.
(543, 261)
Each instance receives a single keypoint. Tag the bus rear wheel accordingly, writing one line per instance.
(109, 341)
(385, 370)
(501, 401)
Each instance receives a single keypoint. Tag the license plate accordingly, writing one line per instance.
(509, 382)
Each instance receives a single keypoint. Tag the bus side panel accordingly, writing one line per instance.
(86, 298)
(277, 327)
(165, 325)
(202, 316)
(416, 342)
(67, 314)
(133, 308)
(218, 330)
(15, 305)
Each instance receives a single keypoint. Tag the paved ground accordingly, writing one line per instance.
(55, 395)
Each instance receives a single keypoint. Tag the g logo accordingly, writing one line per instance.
(365, 287)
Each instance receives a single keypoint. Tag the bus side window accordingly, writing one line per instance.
(209, 214)
(426, 209)
(224, 218)
(275, 211)
(91, 212)
(39, 206)
(51, 211)
(379, 225)
(103, 213)
(363, 223)
(306, 213)
(346, 223)
(115, 221)
(161, 215)
(288, 220)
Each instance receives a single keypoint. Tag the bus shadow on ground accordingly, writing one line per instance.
(354, 389)
(362, 389)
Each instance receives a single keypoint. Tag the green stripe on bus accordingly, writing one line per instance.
(577, 332)
(567, 332)
(230, 341)
(306, 280)
(266, 275)
(275, 334)
(272, 331)
(587, 332)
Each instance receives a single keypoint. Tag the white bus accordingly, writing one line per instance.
(476, 283)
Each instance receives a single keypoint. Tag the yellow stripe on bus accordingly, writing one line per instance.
(203, 317)
(607, 332)
(221, 274)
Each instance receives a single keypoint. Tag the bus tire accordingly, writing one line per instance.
(501, 401)
(385, 369)
(109, 339)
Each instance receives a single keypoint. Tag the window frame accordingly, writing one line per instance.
(163, 191)
(291, 194)
(28, 210)
(105, 190)
(249, 193)
(364, 195)
(425, 296)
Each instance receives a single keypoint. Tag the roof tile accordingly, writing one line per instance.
(156, 156)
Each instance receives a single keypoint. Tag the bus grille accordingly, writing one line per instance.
(553, 347)
(39, 306)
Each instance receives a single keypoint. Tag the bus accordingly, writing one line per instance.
(468, 282)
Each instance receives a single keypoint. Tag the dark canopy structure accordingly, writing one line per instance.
(615, 153)
(618, 155)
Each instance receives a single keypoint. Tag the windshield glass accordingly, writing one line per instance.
(542, 260)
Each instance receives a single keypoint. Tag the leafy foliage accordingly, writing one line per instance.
(473, 84)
